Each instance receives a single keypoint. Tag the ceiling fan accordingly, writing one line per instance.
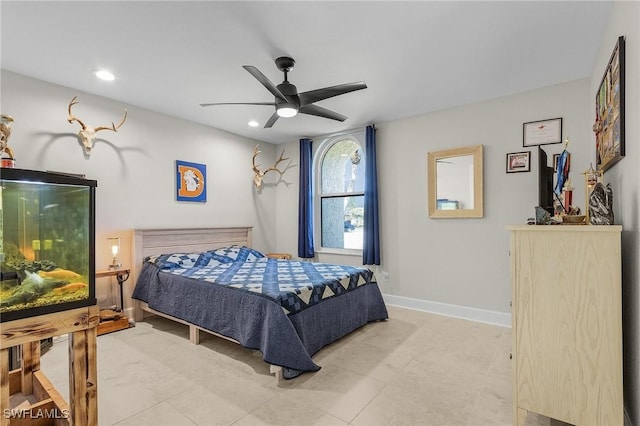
(288, 102)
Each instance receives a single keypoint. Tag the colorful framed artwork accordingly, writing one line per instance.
(543, 132)
(191, 182)
(519, 162)
(610, 99)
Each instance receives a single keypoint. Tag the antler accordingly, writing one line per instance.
(113, 126)
(257, 179)
(256, 170)
(87, 134)
(71, 118)
(275, 166)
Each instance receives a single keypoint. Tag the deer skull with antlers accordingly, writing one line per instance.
(257, 178)
(87, 134)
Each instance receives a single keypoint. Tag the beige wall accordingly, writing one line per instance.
(625, 180)
(135, 167)
(460, 262)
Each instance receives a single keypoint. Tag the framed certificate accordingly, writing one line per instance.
(542, 132)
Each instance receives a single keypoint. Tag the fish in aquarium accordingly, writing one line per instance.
(58, 273)
(42, 288)
(30, 289)
(68, 288)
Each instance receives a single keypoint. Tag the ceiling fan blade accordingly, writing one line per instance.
(265, 81)
(271, 120)
(321, 112)
(239, 103)
(312, 96)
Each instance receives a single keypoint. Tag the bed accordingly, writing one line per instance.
(210, 279)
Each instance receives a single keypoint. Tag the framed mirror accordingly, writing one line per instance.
(455, 183)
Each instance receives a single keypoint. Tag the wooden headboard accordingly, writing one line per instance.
(149, 242)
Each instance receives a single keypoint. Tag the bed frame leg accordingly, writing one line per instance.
(137, 314)
(277, 370)
(194, 335)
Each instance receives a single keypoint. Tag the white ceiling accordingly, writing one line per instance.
(415, 57)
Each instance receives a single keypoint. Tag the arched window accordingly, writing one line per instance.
(340, 192)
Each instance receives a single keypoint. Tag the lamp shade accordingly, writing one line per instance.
(114, 251)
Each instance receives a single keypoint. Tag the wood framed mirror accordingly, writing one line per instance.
(455, 183)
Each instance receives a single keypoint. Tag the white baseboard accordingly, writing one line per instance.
(473, 314)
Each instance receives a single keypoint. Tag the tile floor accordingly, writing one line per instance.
(414, 369)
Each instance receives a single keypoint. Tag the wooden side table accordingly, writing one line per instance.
(49, 407)
(286, 256)
(114, 320)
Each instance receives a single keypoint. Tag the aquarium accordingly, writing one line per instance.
(47, 234)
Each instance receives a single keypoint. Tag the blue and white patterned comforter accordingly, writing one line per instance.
(295, 285)
(286, 309)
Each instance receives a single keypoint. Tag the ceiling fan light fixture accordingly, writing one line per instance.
(286, 110)
(288, 101)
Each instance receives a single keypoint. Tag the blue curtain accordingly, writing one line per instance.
(371, 246)
(305, 201)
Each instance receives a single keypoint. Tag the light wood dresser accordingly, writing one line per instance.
(567, 323)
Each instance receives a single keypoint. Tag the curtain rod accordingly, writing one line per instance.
(341, 133)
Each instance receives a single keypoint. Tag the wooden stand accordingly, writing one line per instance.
(37, 401)
(110, 320)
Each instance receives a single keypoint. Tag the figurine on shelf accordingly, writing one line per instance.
(6, 153)
(543, 217)
(591, 178)
(601, 205)
(567, 195)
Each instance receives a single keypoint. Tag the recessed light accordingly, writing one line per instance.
(105, 75)
(253, 123)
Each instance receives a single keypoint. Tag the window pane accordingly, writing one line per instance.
(342, 220)
(343, 168)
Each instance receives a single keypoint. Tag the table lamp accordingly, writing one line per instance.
(114, 248)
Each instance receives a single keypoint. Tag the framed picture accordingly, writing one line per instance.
(566, 166)
(609, 125)
(519, 162)
(555, 162)
(543, 132)
(191, 182)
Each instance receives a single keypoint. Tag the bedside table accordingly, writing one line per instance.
(113, 320)
(286, 256)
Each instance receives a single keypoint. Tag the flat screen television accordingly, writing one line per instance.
(545, 182)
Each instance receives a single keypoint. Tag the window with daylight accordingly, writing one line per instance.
(340, 193)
